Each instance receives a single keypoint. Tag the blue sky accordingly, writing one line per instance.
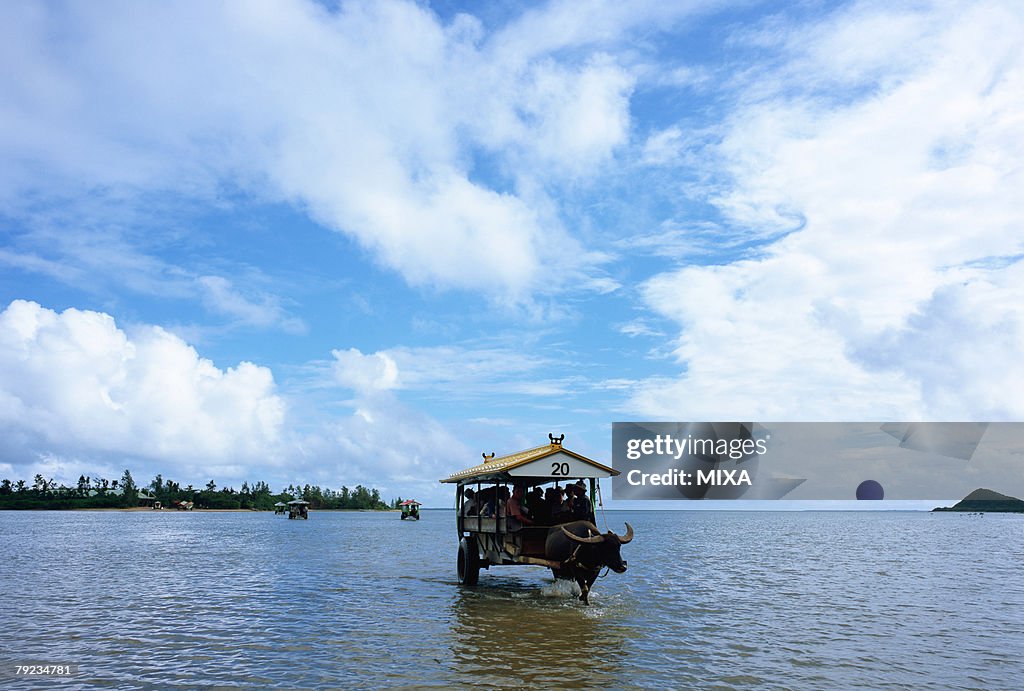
(365, 242)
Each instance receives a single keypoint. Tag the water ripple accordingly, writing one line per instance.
(363, 600)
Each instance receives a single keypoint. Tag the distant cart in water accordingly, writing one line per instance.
(410, 509)
(279, 508)
(560, 535)
(298, 508)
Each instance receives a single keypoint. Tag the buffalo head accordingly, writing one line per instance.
(606, 546)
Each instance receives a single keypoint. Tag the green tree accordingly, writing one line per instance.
(129, 492)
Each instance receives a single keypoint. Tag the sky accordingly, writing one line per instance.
(347, 243)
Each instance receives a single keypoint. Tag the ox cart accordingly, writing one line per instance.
(410, 509)
(298, 508)
(548, 532)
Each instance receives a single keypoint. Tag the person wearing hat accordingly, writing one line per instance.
(581, 508)
(568, 503)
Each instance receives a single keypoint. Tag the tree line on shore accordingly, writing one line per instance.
(101, 493)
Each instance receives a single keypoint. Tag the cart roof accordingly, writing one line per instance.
(549, 462)
(410, 502)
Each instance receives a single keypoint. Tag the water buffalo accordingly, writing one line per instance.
(583, 551)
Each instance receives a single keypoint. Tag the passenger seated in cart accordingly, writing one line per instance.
(514, 506)
(537, 507)
(553, 498)
(495, 506)
(470, 507)
(581, 508)
(483, 500)
(563, 510)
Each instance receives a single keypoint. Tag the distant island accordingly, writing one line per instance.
(986, 500)
(101, 493)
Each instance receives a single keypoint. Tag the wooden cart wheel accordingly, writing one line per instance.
(469, 562)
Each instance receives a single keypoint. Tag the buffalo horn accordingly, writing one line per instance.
(588, 540)
(628, 536)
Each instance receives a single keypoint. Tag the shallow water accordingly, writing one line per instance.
(724, 599)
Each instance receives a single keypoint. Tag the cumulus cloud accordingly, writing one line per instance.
(383, 441)
(882, 168)
(74, 384)
(385, 444)
(365, 373)
(79, 394)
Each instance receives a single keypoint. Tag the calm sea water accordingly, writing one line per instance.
(723, 599)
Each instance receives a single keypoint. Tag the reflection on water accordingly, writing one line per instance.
(157, 599)
(510, 633)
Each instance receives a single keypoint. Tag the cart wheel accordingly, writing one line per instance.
(469, 562)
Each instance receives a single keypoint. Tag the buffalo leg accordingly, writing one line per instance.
(590, 584)
(585, 581)
(584, 589)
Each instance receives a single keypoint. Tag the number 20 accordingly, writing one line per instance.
(559, 468)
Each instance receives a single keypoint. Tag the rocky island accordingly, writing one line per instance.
(986, 500)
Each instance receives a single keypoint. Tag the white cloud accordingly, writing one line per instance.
(662, 147)
(387, 445)
(961, 347)
(573, 117)
(74, 384)
(639, 327)
(456, 372)
(365, 373)
(892, 291)
(222, 296)
(80, 395)
(370, 118)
